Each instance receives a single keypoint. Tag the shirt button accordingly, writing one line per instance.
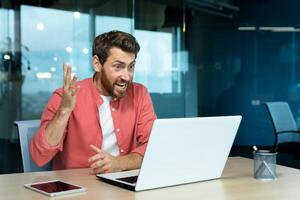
(118, 130)
(113, 109)
(115, 99)
(122, 150)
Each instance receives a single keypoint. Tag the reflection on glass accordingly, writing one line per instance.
(6, 30)
(154, 62)
(7, 35)
(50, 45)
(106, 23)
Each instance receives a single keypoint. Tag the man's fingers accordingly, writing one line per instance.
(73, 81)
(67, 75)
(96, 157)
(97, 170)
(98, 164)
(74, 90)
(67, 72)
(95, 149)
(104, 169)
(101, 162)
(65, 69)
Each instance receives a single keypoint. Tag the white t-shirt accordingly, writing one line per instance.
(109, 142)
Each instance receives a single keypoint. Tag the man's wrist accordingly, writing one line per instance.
(129, 162)
(64, 111)
(121, 163)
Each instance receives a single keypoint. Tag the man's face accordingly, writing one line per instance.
(117, 73)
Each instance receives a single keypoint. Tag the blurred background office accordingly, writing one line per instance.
(197, 58)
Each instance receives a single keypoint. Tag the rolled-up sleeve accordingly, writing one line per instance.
(41, 152)
(145, 121)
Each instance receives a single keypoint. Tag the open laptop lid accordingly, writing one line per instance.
(184, 150)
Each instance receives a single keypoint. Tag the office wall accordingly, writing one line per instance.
(239, 70)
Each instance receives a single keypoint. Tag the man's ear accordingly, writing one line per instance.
(96, 63)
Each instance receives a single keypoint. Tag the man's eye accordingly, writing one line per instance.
(117, 66)
(131, 67)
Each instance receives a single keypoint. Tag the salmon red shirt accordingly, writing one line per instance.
(133, 117)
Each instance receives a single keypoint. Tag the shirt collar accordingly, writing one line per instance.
(96, 95)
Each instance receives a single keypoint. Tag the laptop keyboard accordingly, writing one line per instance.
(130, 179)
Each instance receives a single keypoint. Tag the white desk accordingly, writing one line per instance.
(237, 182)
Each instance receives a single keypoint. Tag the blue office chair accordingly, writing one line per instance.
(287, 135)
(26, 130)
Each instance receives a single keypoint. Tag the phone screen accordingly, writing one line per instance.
(53, 187)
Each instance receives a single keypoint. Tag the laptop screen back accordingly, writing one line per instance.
(186, 150)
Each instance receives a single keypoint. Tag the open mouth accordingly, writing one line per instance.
(122, 86)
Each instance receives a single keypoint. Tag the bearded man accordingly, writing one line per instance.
(103, 122)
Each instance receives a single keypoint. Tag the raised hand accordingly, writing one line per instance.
(70, 90)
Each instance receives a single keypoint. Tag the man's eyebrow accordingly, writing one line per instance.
(119, 62)
(123, 63)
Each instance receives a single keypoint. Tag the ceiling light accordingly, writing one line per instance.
(69, 49)
(284, 29)
(40, 27)
(76, 15)
(52, 69)
(276, 28)
(43, 75)
(6, 57)
(85, 50)
(247, 28)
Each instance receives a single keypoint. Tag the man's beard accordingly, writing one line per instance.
(109, 87)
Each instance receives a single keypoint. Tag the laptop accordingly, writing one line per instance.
(181, 151)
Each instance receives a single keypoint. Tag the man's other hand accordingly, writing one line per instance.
(103, 162)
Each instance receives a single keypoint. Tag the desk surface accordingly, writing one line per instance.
(237, 182)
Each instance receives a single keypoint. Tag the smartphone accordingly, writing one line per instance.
(55, 188)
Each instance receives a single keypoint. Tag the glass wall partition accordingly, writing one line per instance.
(37, 38)
(163, 64)
(48, 46)
(245, 59)
(35, 41)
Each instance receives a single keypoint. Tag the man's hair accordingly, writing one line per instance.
(104, 42)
